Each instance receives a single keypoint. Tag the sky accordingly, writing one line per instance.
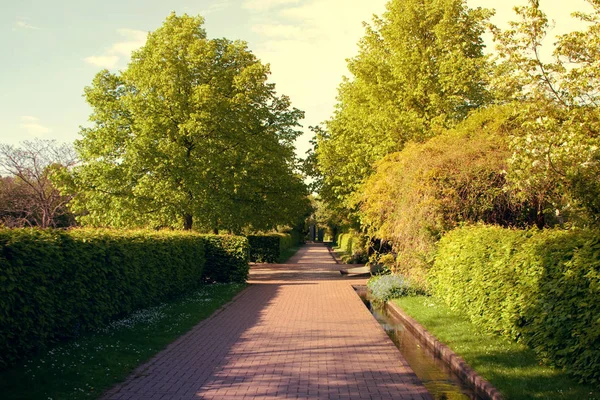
(52, 49)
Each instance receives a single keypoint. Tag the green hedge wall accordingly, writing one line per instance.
(55, 284)
(344, 242)
(226, 258)
(539, 287)
(268, 248)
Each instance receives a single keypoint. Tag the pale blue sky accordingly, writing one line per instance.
(52, 49)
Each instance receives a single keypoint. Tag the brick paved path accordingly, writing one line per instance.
(299, 331)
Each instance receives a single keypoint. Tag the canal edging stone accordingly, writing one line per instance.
(482, 387)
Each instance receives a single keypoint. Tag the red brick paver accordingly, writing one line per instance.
(298, 332)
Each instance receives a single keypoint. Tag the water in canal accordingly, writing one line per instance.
(439, 380)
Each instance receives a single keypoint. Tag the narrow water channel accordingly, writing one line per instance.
(439, 380)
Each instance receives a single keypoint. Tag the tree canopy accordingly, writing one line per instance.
(420, 69)
(190, 134)
(556, 150)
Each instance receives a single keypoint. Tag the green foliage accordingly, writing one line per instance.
(429, 188)
(55, 284)
(556, 152)
(353, 247)
(189, 135)
(344, 242)
(539, 287)
(420, 68)
(269, 248)
(264, 248)
(86, 366)
(387, 287)
(226, 258)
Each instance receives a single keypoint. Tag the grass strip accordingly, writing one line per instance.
(287, 254)
(85, 367)
(511, 367)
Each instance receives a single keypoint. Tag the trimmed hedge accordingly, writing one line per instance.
(344, 242)
(353, 246)
(226, 258)
(538, 287)
(269, 247)
(55, 284)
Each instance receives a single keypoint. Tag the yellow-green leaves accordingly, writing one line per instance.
(189, 134)
(420, 68)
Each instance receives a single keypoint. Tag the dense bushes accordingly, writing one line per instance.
(386, 287)
(353, 247)
(54, 284)
(429, 188)
(226, 258)
(269, 248)
(264, 248)
(539, 287)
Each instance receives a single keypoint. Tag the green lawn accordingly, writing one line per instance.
(83, 368)
(512, 368)
(287, 254)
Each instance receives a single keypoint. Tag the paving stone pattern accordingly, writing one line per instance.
(299, 331)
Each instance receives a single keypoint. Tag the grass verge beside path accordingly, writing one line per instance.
(511, 367)
(85, 367)
(287, 254)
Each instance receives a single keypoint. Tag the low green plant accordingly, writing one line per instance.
(541, 288)
(386, 287)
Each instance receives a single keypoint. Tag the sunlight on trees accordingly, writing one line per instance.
(191, 134)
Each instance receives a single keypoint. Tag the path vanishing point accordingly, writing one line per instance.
(299, 331)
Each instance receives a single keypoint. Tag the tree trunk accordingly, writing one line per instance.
(188, 221)
(216, 231)
(540, 220)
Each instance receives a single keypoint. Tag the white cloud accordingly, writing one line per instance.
(264, 5)
(29, 118)
(108, 62)
(216, 5)
(22, 24)
(133, 40)
(35, 130)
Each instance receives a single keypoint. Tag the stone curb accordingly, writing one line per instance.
(332, 253)
(482, 388)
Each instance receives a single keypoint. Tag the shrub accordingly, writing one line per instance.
(538, 287)
(264, 248)
(268, 248)
(427, 189)
(55, 284)
(386, 287)
(344, 242)
(226, 258)
(353, 245)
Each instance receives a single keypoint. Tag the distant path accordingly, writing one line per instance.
(299, 331)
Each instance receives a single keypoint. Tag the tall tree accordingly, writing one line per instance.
(190, 134)
(27, 195)
(556, 152)
(420, 68)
